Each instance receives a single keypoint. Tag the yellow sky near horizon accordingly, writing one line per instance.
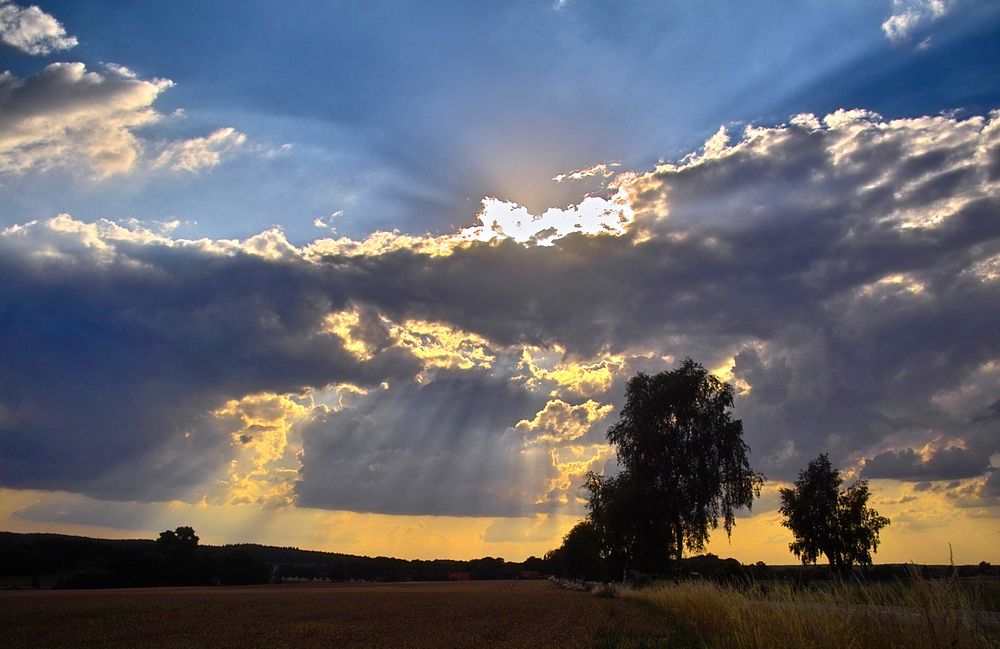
(920, 532)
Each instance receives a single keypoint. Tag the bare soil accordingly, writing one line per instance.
(452, 614)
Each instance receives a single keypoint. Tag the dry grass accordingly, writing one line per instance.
(470, 614)
(920, 614)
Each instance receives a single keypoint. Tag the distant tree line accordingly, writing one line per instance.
(344, 567)
(174, 559)
(177, 558)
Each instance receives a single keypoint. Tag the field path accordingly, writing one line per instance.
(449, 614)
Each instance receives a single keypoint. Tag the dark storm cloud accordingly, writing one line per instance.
(945, 464)
(112, 364)
(848, 271)
(851, 257)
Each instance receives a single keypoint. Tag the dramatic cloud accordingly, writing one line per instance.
(559, 421)
(842, 272)
(119, 346)
(31, 30)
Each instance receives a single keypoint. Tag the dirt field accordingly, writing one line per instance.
(468, 614)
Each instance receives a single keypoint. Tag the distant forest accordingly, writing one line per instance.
(60, 561)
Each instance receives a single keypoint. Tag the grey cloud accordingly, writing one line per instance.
(446, 447)
(945, 464)
(771, 383)
(991, 412)
(992, 484)
(977, 493)
(112, 366)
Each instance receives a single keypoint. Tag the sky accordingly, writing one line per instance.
(371, 277)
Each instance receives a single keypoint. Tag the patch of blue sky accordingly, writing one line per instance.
(405, 114)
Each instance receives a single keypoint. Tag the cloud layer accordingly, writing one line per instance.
(844, 272)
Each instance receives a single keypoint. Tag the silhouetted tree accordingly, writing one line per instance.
(580, 553)
(178, 542)
(615, 505)
(487, 568)
(828, 520)
(536, 564)
(686, 462)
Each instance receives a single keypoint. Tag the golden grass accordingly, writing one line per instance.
(918, 614)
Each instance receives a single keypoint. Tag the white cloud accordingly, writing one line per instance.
(326, 222)
(603, 169)
(505, 220)
(67, 115)
(911, 15)
(199, 153)
(31, 30)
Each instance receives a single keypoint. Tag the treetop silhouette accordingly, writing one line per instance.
(828, 520)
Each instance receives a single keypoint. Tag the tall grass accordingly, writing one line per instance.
(918, 614)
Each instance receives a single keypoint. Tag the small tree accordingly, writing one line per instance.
(828, 520)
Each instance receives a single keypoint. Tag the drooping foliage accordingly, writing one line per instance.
(679, 444)
(685, 467)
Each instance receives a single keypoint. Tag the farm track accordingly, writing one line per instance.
(451, 614)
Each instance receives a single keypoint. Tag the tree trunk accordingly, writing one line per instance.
(680, 540)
